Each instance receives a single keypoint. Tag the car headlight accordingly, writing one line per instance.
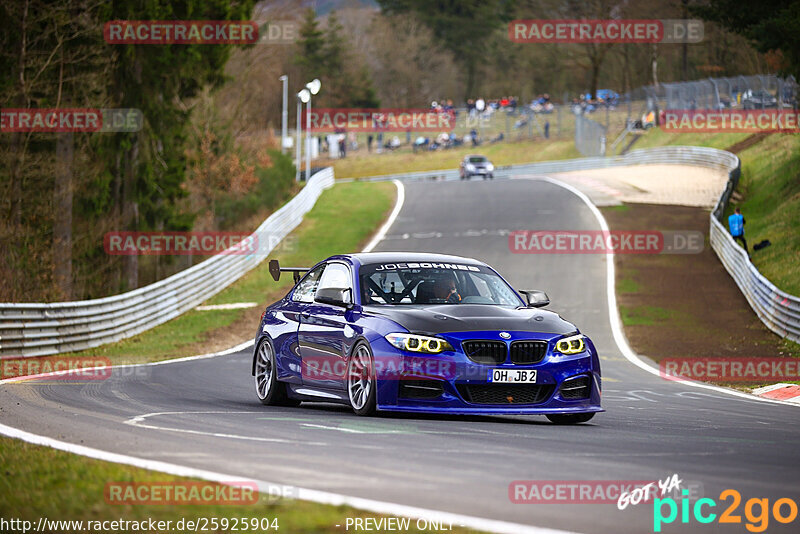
(571, 345)
(416, 343)
(490, 167)
(470, 167)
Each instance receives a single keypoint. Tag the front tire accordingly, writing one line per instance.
(269, 390)
(570, 419)
(361, 383)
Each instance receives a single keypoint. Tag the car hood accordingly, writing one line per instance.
(443, 318)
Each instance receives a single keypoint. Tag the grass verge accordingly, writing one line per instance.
(685, 305)
(645, 315)
(362, 164)
(40, 482)
(343, 220)
(770, 201)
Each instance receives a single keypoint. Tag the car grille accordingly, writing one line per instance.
(527, 352)
(505, 393)
(420, 389)
(576, 388)
(488, 352)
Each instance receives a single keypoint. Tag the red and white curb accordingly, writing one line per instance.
(783, 392)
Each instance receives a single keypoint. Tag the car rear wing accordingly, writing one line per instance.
(275, 270)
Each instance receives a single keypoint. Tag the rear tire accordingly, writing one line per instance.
(269, 390)
(361, 383)
(570, 419)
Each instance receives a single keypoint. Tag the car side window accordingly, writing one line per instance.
(336, 275)
(307, 287)
(482, 287)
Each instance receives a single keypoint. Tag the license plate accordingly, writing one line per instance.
(513, 376)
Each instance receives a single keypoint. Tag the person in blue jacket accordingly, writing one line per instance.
(736, 225)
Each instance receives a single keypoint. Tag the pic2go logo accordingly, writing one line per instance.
(758, 521)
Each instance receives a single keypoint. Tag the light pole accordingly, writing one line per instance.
(312, 88)
(302, 97)
(284, 113)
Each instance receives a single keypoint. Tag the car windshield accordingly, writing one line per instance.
(477, 159)
(433, 283)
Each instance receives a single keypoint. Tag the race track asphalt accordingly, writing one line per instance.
(204, 413)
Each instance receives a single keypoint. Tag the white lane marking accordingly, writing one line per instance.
(322, 497)
(436, 234)
(398, 205)
(138, 422)
(234, 306)
(613, 313)
(350, 430)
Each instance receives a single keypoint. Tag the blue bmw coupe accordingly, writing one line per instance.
(418, 332)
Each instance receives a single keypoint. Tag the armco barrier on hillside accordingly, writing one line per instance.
(778, 310)
(42, 329)
(37, 329)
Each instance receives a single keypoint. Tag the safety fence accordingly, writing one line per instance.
(628, 116)
(590, 136)
(778, 310)
(39, 329)
(747, 92)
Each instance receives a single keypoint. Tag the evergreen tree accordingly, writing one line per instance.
(327, 55)
(158, 79)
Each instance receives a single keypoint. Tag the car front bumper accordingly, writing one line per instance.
(452, 383)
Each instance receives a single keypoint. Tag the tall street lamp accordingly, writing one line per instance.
(312, 88)
(284, 113)
(302, 97)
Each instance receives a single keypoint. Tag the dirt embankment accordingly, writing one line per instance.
(684, 305)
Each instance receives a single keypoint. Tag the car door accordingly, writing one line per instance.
(287, 344)
(322, 332)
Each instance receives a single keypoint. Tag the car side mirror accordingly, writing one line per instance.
(536, 298)
(335, 296)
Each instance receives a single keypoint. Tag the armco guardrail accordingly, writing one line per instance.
(34, 329)
(778, 310)
(679, 155)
